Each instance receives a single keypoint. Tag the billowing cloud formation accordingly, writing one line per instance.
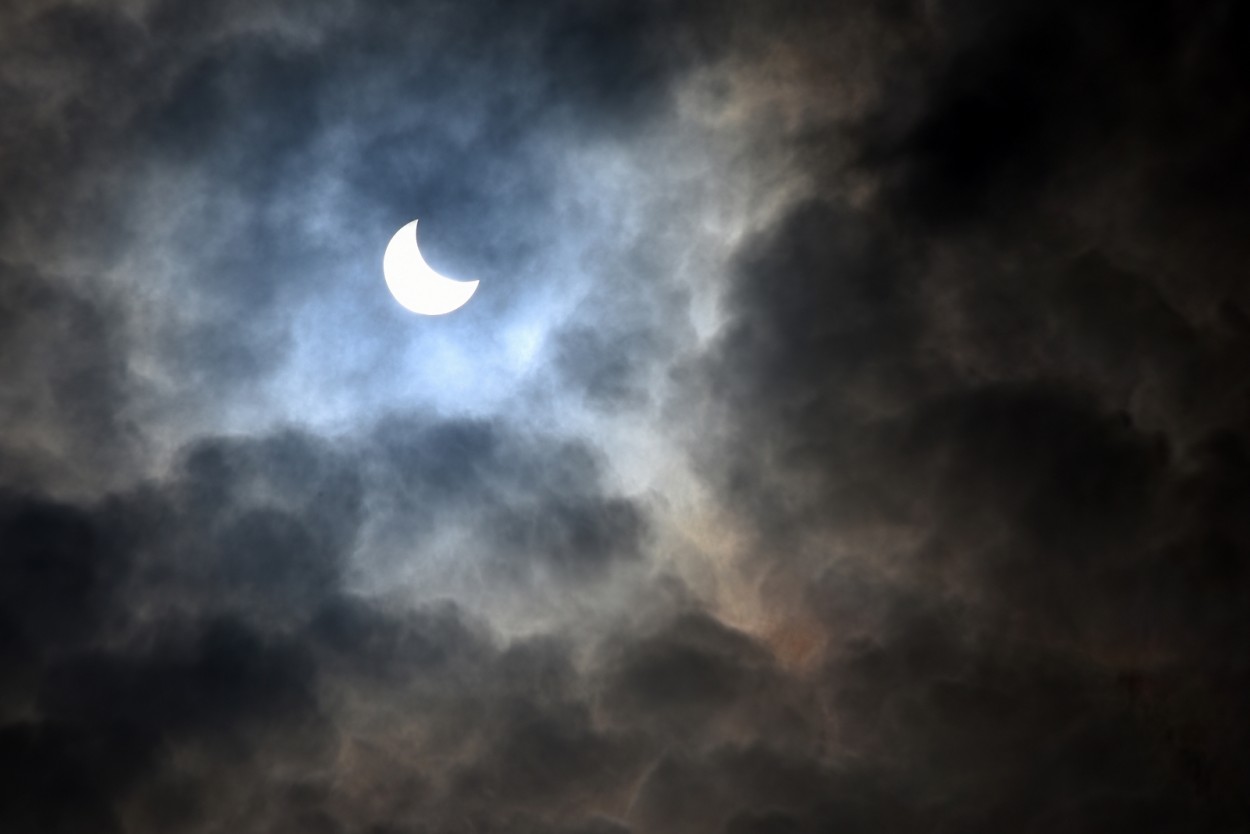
(851, 432)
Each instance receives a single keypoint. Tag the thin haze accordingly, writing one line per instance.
(850, 431)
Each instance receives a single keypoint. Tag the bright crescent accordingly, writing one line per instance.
(415, 284)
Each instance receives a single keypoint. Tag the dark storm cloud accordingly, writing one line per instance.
(65, 392)
(85, 721)
(531, 506)
(1011, 104)
(978, 414)
(976, 408)
(208, 616)
(193, 643)
(694, 679)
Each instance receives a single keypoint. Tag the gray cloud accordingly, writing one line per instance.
(938, 521)
(971, 407)
(208, 618)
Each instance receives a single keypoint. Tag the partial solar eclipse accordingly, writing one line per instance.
(415, 284)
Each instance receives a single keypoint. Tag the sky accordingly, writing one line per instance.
(850, 431)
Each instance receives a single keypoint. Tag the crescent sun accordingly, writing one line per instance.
(415, 284)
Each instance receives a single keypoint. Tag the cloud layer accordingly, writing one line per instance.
(851, 431)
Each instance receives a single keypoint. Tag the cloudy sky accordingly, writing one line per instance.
(850, 432)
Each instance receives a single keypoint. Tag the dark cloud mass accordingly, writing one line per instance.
(851, 432)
